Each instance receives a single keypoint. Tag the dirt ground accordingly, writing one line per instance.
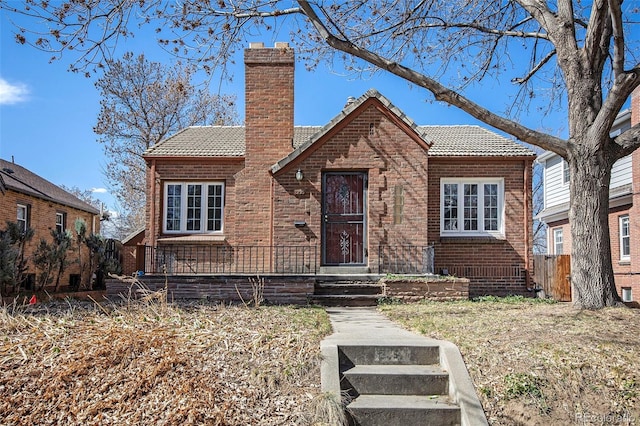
(76, 363)
(540, 363)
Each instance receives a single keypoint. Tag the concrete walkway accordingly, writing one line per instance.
(366, 327)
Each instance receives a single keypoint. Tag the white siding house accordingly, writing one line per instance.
(556, 182)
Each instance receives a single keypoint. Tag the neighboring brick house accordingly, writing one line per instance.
(32, 201)
(365, 187)
(624, 201)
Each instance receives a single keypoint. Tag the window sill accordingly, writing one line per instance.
(624, 262)
(476, 239)
(195, 239)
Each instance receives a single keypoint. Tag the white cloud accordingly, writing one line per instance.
(12, 93)
(99, 190)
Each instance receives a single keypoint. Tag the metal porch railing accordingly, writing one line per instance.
(221, 260)
(406, 259)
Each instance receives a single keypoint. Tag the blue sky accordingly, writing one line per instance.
(47, 113)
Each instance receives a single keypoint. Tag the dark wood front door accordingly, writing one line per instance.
(344, 218)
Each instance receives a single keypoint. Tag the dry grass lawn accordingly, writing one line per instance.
(154, 363)
(538, 363)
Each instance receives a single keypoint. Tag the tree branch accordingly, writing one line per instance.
(535, 69)
(440, 92)
(618, 37)
(629, 141)
(598, 32)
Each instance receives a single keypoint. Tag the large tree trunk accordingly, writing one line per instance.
(591, 267)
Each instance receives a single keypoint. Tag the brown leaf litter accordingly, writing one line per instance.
(77, 363)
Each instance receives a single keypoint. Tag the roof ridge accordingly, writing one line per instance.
(16, 178)
(44, 189)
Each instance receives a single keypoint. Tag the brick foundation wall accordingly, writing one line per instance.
(277, 289)
(43, 220)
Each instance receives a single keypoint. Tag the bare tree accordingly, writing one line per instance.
(142, 103)
(85, 195)
(577, 56)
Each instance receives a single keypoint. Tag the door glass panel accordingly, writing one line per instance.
(343, 241)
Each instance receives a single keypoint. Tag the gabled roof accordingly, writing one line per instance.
(350, 108)
(444, 141)
(133, 234)
(21, 180)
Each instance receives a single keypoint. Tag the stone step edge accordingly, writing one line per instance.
(397, 370)
(395, 402)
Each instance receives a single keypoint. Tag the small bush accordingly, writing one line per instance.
(386, 300)
(515, 299)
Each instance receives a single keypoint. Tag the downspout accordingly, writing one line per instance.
(152, 207)
(271, 224)
(527, 220)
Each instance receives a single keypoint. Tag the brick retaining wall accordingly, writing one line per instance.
(432, 289)
(277, 289)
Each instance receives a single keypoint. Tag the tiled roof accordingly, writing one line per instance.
(19, 179)
(214, 141)
(445, 141)
(202, 141)
(471, 141)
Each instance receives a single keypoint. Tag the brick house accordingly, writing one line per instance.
(32, 201)
(369, 192)
(624, 202)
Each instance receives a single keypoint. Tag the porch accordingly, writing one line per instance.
(287, 275)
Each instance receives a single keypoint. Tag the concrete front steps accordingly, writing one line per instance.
(386, 375)
(347, 291)
(396, 385)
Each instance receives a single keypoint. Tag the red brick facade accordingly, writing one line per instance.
(276, 209)
(388, 156)
(176, 169)
(494, 266)
(269, 136)
(42, 220)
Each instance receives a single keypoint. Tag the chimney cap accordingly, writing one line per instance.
(256, 45)
(281, 45)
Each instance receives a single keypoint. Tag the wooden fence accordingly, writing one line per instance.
(552, 275)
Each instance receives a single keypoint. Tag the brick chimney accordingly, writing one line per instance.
(268, 103)
(268, 136)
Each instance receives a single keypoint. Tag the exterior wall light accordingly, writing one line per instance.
(299, 175)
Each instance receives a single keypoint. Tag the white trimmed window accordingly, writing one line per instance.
(557, 241)
(60, 222)
(625, 240)
(23, 217)
(472, 207)
(193, 207)
(566, 174)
